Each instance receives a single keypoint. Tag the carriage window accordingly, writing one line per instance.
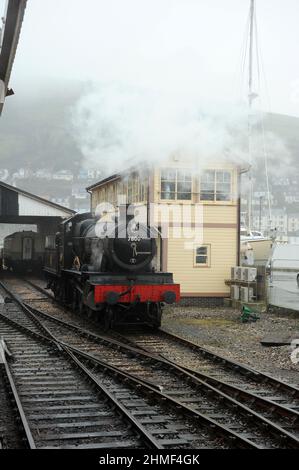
(176, 184)
(202, 255)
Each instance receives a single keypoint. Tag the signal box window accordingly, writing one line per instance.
(176, 184)
(215, 185)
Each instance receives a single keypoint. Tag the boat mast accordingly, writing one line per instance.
(251, 95)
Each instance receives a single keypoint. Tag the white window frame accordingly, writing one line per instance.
(208, 255)
(176, 182)
(215, 200)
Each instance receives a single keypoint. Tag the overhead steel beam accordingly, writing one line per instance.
(9, 37)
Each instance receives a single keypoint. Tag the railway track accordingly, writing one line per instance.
(62, 408)
(271, 426)
(12, 432)
(235, 379)
(60, 403)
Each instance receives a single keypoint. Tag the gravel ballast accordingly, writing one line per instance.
(221, 330)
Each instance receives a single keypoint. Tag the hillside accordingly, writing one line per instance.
(35, 129)
(36, 132)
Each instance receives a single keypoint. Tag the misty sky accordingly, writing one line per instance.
(176, 45)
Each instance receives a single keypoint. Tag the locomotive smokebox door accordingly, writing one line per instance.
(132, 248)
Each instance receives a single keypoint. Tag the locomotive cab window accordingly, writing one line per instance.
(176, 184)
(202, 255)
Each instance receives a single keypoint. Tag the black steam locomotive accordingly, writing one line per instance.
(106, 268)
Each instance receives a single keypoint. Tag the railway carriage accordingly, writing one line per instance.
(23, 251)
(112, 275)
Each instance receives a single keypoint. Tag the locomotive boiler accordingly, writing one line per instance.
(107, 268)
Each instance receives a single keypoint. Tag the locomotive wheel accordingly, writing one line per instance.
(108, 319)
(81, 307)
(57, 292)
(75, 302)
(90, 314)
(155, 316)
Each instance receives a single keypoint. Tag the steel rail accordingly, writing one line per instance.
(143, 433)
(236, 391)
(247, 370)
(232, 390)
(243, 369)
(140, 384)
(163, 398)
(231, 402)
(149, 441)
(25, 425)
(152, 390)
(189, 375)
(202, 379)
(246, 411)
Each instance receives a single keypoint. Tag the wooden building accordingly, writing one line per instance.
(202, 268)
(19, 207)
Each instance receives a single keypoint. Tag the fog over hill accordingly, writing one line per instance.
(287, 129)
(37, 131)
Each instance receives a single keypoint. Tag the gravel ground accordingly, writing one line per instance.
(221, 330)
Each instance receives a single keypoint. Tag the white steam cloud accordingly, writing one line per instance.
(119, 126)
